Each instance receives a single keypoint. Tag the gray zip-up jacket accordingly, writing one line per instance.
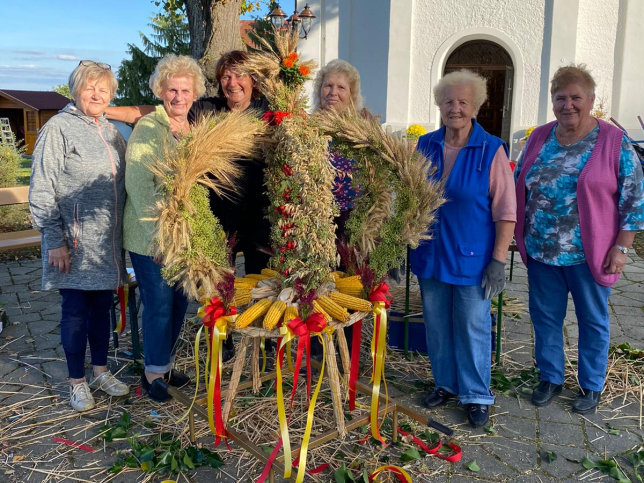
(76, 198)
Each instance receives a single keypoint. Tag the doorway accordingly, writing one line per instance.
(493, 62)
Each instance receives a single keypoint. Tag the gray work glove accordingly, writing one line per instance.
(493, 278)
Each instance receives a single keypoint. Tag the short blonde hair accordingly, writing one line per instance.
(460, 78)
(88, 70)
(177, 66)
(338, 66)
(572, 74)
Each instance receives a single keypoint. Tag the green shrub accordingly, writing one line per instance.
(10, 159)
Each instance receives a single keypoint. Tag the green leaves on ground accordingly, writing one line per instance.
(526, 379)
(473, 466)
(636, 458)
(118, 430)
(549, 456)
(410, 454)
(608, 467)
(160, 453)
(344, 475)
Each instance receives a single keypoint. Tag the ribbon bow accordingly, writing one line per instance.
(381, 294)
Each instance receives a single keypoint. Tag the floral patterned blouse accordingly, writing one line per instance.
(343, 189)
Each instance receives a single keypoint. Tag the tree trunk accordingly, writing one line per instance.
(214, 30)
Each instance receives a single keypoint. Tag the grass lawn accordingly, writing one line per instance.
(24, 172)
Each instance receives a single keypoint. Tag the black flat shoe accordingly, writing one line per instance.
(544, 392)
(176, 378)
(436, 398)
(157, 390)
(478, 414)
(586, 402)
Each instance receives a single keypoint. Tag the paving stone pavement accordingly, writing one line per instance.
(514, 448)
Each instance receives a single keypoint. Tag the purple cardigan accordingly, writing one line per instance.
(597, 197)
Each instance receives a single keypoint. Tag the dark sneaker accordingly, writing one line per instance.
(157, 389)
(478, 414)
(436, 398)
(544, 392)
(586, 402)
(176, 378)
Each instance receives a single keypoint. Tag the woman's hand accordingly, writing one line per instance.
(59, 258)
(615, 261)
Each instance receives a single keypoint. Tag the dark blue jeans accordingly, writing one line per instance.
(164, 309)
(548, 302)
(85, 316)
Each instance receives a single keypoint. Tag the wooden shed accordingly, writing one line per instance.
(27, 111)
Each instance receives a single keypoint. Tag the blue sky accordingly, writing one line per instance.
(42, 41)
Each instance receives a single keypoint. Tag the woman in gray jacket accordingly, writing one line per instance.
(76, 198)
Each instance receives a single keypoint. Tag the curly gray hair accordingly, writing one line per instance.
(177, 66)
(459, 78)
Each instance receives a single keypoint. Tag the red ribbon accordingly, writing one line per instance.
(395, 470)
(381, 294)
(214, 310)
(452, 458)
(73, 444)
(355, 363)
(275, 118)
(303, 329)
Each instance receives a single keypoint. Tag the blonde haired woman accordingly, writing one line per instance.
(76, 199)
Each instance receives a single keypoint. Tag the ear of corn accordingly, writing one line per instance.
(350, 285)
(318, 308)
(258, 276)
(336, 275)
(270, 272)
(252, 313)
(242, 296)
(274, 314)
(246, 282)
(351, 302)
(290, 313)
(333, 309)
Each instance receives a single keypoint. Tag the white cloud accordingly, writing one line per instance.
(66, 57)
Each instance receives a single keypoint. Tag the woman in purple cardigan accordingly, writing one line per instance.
(579, 203)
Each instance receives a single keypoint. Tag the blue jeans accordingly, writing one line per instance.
(85, 316)
(164, 309)
(457, 327)
(549, 287)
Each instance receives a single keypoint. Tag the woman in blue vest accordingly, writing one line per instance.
(463, 266)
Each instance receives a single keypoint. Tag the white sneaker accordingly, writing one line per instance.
(106, 382)
(81, 397)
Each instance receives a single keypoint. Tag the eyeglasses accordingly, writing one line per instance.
(102, 65)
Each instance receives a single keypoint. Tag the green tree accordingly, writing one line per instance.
(63, 90)
(170, 35)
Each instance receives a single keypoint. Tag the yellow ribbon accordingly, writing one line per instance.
(309, 420)
(398, 469)
(281, 415)
(378, 347)
(289, 359)
(218, 337)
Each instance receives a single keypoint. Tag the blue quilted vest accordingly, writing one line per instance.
(463, 232)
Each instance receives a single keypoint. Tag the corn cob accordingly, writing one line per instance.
(290, 313)
(271, 273)
(242, 296)
(351, 302)
(336, 275)
(349, 285)
(318, 308)
(257, 276)
(333, 309)
(250, 282)
(274, 314)
(252, 313)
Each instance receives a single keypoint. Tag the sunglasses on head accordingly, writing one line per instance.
(102, 65)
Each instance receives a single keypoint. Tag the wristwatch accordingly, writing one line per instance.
(622, 249)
